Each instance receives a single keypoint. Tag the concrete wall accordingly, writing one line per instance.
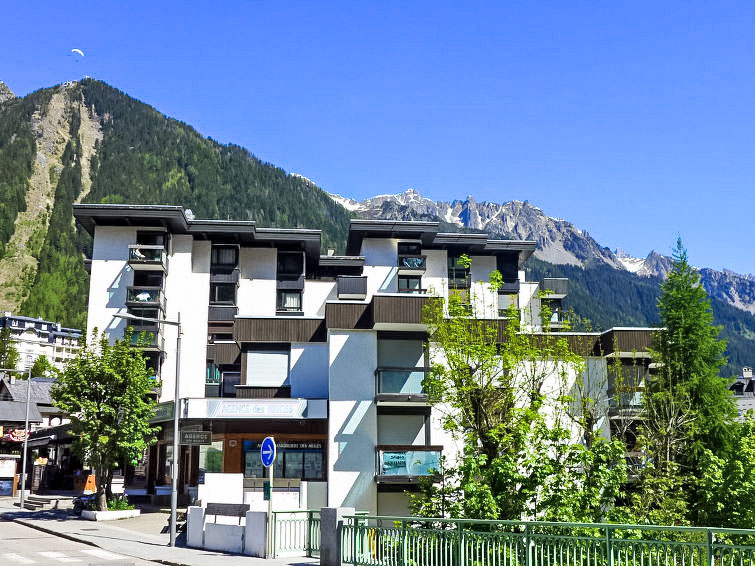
(308, 373)
(401, 429)
(257, 285)
(485, 301)
(187, 291)
(110, 275)
(314, 296)
(393, 504)
(435, 279)
(380, 265)
(352, 433)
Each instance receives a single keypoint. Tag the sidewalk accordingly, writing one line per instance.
(140, 537)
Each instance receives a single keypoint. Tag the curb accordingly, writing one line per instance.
(66, 536)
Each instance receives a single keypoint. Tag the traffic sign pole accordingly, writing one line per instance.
(268, 453)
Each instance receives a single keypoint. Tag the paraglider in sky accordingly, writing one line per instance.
(79, 51)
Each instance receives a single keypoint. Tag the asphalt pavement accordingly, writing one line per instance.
(139, 541)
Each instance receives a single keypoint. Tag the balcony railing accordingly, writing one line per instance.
(145, 297)
(352, 287)
(407, 463)
(217, 313)
(409, 264)
(400, 384)
(556, 287)
(509, 288)
(143, 256)
(147, 340)
(412, 291)
(231, 276)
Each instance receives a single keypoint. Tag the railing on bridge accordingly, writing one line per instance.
(404, 541)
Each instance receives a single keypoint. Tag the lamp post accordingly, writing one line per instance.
(174, 474)
(26, 424)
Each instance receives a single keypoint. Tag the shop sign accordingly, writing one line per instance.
(163, 412)
(254, 408)
(196, 437)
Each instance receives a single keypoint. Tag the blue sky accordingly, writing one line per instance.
(632, 120)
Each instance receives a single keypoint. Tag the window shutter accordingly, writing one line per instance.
(267, 368)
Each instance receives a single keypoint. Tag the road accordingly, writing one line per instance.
(21, 545)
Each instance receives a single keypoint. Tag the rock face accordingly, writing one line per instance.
(5, 92)
(558, 241)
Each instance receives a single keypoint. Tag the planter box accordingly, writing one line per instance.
(108, 515)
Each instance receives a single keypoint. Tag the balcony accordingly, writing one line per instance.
(406, 465)
(145, 297)
(555, 287)
(411, 264)
(290, 282)
(231, 276)
(400, 386)
(509, 288)
(217, 313)
(148, 341)
(352, 287)
(147, 257)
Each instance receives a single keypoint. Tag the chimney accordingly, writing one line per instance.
(12, 379)
(747, 372)
(331, 251)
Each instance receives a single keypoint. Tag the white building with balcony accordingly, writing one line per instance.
(326, 353)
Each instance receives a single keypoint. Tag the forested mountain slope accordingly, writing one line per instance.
(87, 141)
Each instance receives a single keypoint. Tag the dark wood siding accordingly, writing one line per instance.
(626, 341)
(401, 310)
(227, 353)
(348, 315)
(279, 330)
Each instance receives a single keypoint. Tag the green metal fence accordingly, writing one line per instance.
(409, 541)
(296, 533)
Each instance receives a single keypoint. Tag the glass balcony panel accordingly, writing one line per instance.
(412, 262)
(145, 295)
(409, 462)
(144, 339)
(146, 254)
(401, 381)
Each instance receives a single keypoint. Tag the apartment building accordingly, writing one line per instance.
(326, 353)
(34, 337)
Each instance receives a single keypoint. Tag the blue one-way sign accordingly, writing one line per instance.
(267, 451)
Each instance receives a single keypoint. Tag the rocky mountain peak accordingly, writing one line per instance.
(5, 92)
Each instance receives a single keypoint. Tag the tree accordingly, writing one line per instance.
(507, 394)
(105, 391)
(42, 367)
(688, 411)
(8, 353)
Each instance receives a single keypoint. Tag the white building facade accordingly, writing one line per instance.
(325, 353)
(35, 337)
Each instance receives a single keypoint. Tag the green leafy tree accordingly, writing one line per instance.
(42, 367)
(8, 353)
(105, 391)
(689, 413)
(507, 395)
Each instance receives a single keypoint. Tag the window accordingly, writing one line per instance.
(505, 302)
(289, 301)
(150, 238)
(224, 256)
(290, 264)
(222, 293)
(267, 368)
(405, 248)
(409, 284)
(295, 460)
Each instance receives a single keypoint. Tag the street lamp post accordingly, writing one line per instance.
(26, 424)
(174, 474)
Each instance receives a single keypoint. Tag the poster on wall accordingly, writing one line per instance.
(6, 487)
(7, 467)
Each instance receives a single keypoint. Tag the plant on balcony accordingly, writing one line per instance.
(509, 396)
(105, 391)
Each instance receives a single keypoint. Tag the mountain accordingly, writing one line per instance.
(606, 288)
(89, 142)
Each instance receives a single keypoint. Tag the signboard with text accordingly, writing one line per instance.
(195, 437)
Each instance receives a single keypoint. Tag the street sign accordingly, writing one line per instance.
(196, 437)
(267, 451)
